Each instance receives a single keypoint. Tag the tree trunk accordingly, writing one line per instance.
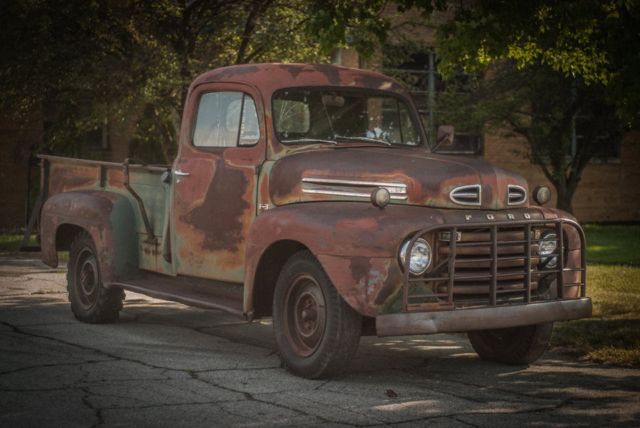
(565, 195)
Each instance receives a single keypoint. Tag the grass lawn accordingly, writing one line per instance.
(613, 244)
(613, 283)
(12, 242)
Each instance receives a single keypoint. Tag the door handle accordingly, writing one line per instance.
(181, 173)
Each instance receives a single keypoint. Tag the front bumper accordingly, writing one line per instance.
(462, 320)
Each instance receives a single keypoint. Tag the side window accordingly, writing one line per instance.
(226, 119)
(249, 127)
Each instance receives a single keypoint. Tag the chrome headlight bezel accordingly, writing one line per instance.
(541, 195)
(547, 247)
(420, 258)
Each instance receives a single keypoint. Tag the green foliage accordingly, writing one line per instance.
(84, 63)
(348, 23)
(87, 63)
(11, 242)
(585, 39)
(361, 24)
(546, 64)
(541, 106)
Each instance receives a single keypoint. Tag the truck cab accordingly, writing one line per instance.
(310, 194)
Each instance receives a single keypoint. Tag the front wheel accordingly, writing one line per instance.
(317, 332)
(515, 345)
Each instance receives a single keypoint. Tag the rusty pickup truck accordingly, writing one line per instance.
(311, 194)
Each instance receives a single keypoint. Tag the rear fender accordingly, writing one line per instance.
(107, 216)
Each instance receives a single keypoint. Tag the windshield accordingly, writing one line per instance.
(338, 115)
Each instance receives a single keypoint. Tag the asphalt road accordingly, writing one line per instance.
(165, 364)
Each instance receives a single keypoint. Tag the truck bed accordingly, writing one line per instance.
(141, 184)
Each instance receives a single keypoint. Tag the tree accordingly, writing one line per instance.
(363, 25)
(84, 62)
(541, 106)
(547, 63)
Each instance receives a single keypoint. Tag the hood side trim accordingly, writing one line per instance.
(353, 188)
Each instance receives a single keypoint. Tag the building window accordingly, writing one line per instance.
(420, 74)
(609, 142)
(96, 139)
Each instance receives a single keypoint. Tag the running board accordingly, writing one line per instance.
(201, 293)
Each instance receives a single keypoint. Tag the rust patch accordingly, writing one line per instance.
(64, 177)
(115, 177)
(360, 267)
(365, 283)
(331, 73)
(220, 216)
(92, 211)
(231, 72)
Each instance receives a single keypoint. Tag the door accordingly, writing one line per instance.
(222, 144)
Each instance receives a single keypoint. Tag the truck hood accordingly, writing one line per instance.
(412, 176)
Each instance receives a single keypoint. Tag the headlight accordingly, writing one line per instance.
(546, 247)
(420, 257)
(541, 195)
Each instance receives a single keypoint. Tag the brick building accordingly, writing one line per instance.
(15, 144)
(608, 191)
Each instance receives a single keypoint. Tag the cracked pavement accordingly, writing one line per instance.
(165, 364)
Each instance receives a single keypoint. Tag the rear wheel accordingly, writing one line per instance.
(317, 332)
(515, 345)
(90, 301)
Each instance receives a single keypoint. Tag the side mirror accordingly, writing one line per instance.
(445, 136)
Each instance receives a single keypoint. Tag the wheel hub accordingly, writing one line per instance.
(305, 315)
(87, 278)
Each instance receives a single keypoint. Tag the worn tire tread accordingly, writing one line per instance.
(530, 343)
(110, 300)
(347, 323)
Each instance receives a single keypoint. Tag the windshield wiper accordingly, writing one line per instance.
(367, 139)
(309, 140)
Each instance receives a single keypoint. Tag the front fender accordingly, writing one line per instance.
(107, 216)
(356, 243)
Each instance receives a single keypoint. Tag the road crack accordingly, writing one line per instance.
(97, 411)
(250, 397)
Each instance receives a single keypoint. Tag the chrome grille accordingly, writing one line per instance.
(490, 265)
(517, 195)
(474, 263)
(467, 195)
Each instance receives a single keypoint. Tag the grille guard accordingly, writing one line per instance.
(445, 300)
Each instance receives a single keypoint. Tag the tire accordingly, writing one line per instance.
(90, 301)
(317, 332)
(516, 345)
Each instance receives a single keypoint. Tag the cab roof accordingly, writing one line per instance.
(273, 76)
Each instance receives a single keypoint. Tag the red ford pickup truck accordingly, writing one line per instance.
(310, 194)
